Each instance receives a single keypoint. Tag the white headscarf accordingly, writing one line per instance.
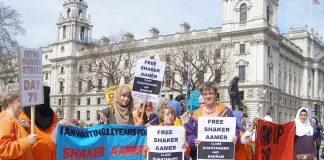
(303, 129)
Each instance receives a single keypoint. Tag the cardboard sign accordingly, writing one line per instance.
(216, 136)
(30, 77)
(148, 79)
(165, 142)
(274, 141)
(111, 92)
(194, 100)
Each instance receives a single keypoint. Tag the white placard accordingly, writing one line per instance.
(216, 136)
(165, 142)
(148, 79)
(30, 77)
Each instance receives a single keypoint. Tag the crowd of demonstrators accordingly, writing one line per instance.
(17, 141)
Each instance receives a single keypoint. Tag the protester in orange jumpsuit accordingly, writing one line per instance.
(46, 121)
(15, 143)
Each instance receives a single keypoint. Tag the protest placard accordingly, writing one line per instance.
(111, 92)
(148, 79)
(165, 142)
(274, 141)
(194, 100)
(101, 142)
(216, 136)
(30, 77)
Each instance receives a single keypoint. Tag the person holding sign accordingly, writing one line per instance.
(167, 117)
(304, 145)
(15, 143)
(46, 121)
(120, 112)
(210, 108)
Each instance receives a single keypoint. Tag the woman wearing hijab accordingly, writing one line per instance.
(304, 146)
(15, 143)
(121, 110)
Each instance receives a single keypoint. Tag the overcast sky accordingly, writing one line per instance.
(108, 17)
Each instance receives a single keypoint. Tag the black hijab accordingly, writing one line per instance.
(43, 112)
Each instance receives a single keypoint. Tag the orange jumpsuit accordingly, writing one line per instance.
(14, 143)
(44, 148)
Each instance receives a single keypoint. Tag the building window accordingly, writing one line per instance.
(68, 12)
(88, 101)
(98, 100)
(78, 115)
(88, 115)
(201, 54)
(201, 77)
(269, 51)
(62, 49)
(100, 66)
(64, 32)
(270, 75)
(127, 79)
(80, 86)
(152, 57)
(62, 70)
(218, 75)
(61, 86)
(242, 72)
(243, 12)
(90, 67)
(46, 76)
(168, 58)
(89, 85)
(217, 53)
(241, 93)
(79, 101)
(268, 14)
(99, 84)
(242, 48)
(82, 33)
(126, 63)
(59, 101)
(171, 96)
(80, 69)
(46, 56)
(80, 13)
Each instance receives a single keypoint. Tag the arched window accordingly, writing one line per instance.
(68, 12)
(243, 12)
(62, 49)
(80, 13)
(268, 14)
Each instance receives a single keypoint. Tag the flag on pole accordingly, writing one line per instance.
(316, 2)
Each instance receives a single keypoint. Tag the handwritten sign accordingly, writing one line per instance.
(31, 77)
(216, 135)
(111, 92)
(148, 79)
(274, 141)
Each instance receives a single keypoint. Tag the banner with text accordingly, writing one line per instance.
(194, 100)
(111, 92)
(216, 136)
(148, 79)
(30, 77)
(274, 141)
(165, 142)
(101, 142)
